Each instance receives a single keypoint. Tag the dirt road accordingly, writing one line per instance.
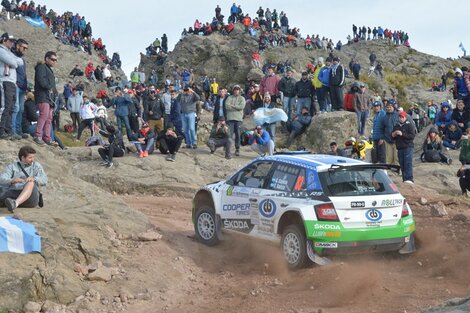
(242, 275)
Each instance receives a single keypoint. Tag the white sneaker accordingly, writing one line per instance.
(408, 182)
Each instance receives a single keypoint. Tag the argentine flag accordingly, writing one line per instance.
(18, 237)
(35, 22)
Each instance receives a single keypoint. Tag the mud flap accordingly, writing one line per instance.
(218, 227)
(315, 258)
(410, 246)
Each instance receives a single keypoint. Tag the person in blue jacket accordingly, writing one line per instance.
(444, 117)
(261, 142)
(378, 136)
(324, 77)
(121, 104)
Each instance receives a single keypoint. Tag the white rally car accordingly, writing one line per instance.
(315, 205)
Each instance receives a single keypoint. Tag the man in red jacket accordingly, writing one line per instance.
(269, 83)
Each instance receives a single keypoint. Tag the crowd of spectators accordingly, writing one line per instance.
(397, 37)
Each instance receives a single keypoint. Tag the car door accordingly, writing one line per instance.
(283, 191)
(241, 193)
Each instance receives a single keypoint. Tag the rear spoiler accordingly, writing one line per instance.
(338, 167)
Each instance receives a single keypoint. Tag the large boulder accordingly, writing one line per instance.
(325, 128)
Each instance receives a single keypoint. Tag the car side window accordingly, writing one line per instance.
(252, 176)
(288, 178)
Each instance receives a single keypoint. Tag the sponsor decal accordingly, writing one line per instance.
(239, 208)
(267, 208)
(266, 226)
(238, 225)
(358, 204)
(326, 233)
(326, 227)
(327, 245)
(408, 221)
(392, 202)
(373, 215)
(238, 191)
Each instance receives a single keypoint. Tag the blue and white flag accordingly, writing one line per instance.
(18, 237)
(267, 116)
(463, 49)
(35, 22)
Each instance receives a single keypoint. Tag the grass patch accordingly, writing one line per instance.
(69, 140)
(455, 64)
(371, 83)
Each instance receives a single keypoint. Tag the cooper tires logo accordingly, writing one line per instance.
(267, 208)
(374, 215)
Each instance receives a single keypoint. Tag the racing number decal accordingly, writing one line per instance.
(374, 215)
(267, 208)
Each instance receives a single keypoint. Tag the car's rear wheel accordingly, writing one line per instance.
(294, 246)
(205, 226)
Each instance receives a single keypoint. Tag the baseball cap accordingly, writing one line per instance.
(6, 36)
(236, 87)
(403, 114)
(221, 118)
(377, 103)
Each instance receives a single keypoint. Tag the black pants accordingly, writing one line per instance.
(8, 100)
(464, 184)
(336, 94)
(235, 130)
(75, 116)
(32, 201)
(85, 123)
(134, 123)
(170, 145)
(56, 120)
(378, 153)
(107, 153)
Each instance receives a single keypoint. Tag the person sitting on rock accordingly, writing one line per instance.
(298, 125)
(444, 117)
(90, 72)
(76, 71)
(461, 116)
(115, 148)
(22, 179)
(144, 140)
(261, 142)
(432, 148)
(452, 136)
(170, 142)
(220, 137)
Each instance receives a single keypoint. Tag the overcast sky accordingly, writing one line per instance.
(434, 26)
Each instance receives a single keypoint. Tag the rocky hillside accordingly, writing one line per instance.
(42, 40)
(408, 73)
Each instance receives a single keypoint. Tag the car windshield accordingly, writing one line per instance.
(353, 182)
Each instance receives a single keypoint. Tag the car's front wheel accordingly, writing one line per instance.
(294, 246)
(205, 226)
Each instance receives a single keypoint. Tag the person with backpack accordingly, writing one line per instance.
(23, 179)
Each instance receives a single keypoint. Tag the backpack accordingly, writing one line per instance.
(245, 137)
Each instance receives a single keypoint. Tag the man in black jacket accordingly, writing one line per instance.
(336, 85)
(303, 90)
(287, 87)
(404, 134)
(219, 106)
(45, 93)
(154, 110)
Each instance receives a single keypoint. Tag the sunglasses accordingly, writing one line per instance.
(53, 59)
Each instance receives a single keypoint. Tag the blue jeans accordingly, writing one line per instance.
(362, 121)
(124, 119)
(17, 112)
(189, 128)
(271, 129)
(302, 103)
(449, 144)
(405, 157)
(149, 146)
(320, 99)
(287, 104)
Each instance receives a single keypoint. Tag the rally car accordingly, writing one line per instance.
(315, 205)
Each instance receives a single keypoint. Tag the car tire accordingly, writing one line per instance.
(294, 246)
(206, 227)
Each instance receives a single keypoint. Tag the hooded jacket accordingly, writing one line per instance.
(444, 118)
(8, 59)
